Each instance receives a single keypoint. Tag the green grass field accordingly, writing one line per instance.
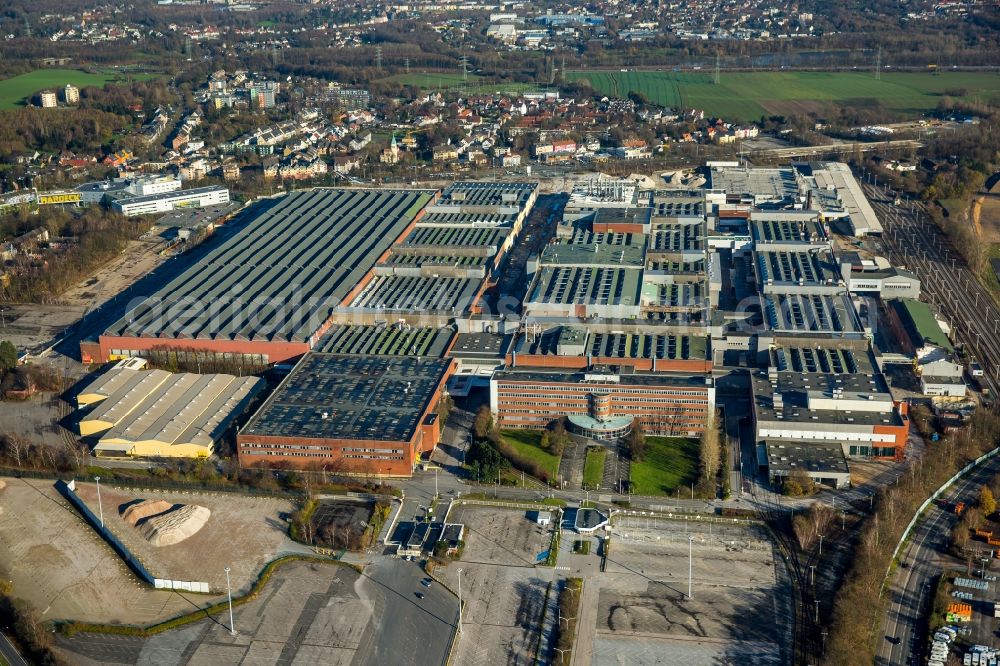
(454, 81)
(432, 79)
(593, 466)
(749, 95)
(526, 443)
(671, 462)
(14, 91)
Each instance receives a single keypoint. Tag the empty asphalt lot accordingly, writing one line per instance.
(643, 613)
(504, 592)
(309, 613)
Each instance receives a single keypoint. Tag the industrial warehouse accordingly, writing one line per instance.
(371, 415)
(269, 289)
(155, 413)
(379, 303)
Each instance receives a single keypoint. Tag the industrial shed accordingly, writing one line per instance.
(267, 291)
(157, 413)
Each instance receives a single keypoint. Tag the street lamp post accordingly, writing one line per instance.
(690, 565)
(820, 544)
(100, 508)
(459, 601)
(229, 593)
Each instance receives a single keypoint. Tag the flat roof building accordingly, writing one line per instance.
(268, 290)
(372, 415)
(831, 393)
(602, 402)
(164, 202)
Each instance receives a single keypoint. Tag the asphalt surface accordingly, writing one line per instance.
(902, 642)
(407, 629)
(9, 653)
(913, 240)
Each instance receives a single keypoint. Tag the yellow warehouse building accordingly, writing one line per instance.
(157, 413)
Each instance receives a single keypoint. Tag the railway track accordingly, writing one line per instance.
(913, 240)
(803, 595)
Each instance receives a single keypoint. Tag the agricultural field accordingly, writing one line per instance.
(750, 95)
(14, 91)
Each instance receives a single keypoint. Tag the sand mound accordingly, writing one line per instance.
(175, 526)
(145, 509)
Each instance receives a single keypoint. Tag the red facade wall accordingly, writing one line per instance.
(277, 352)
(333, 459)
(694, 366)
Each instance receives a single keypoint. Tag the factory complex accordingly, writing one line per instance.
(635, 310)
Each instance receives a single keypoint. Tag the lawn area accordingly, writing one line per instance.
(454, 80)
(432, 79)
(953, 207)
(593, 466)
(526, 444)
(13, 91)
(749, 95)
(671, 462)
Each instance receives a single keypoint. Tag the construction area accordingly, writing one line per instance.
(60, 566)
(503, 591)
(740, 608)
(241, 532)
(64, 569)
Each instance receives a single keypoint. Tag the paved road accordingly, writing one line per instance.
(409, 630)
(9, 653)
(909, 592)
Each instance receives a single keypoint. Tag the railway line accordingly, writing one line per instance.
(911, 239)
(803, 598)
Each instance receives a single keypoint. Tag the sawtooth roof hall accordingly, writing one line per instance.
(268, 290)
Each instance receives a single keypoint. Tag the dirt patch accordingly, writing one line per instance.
(59, 565)
(242, 532)
(986, 217)
(339, 524)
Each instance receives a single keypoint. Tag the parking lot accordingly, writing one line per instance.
(311, 613)
(503, 591)
(642, 606)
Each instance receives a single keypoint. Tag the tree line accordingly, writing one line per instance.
(860, 605)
